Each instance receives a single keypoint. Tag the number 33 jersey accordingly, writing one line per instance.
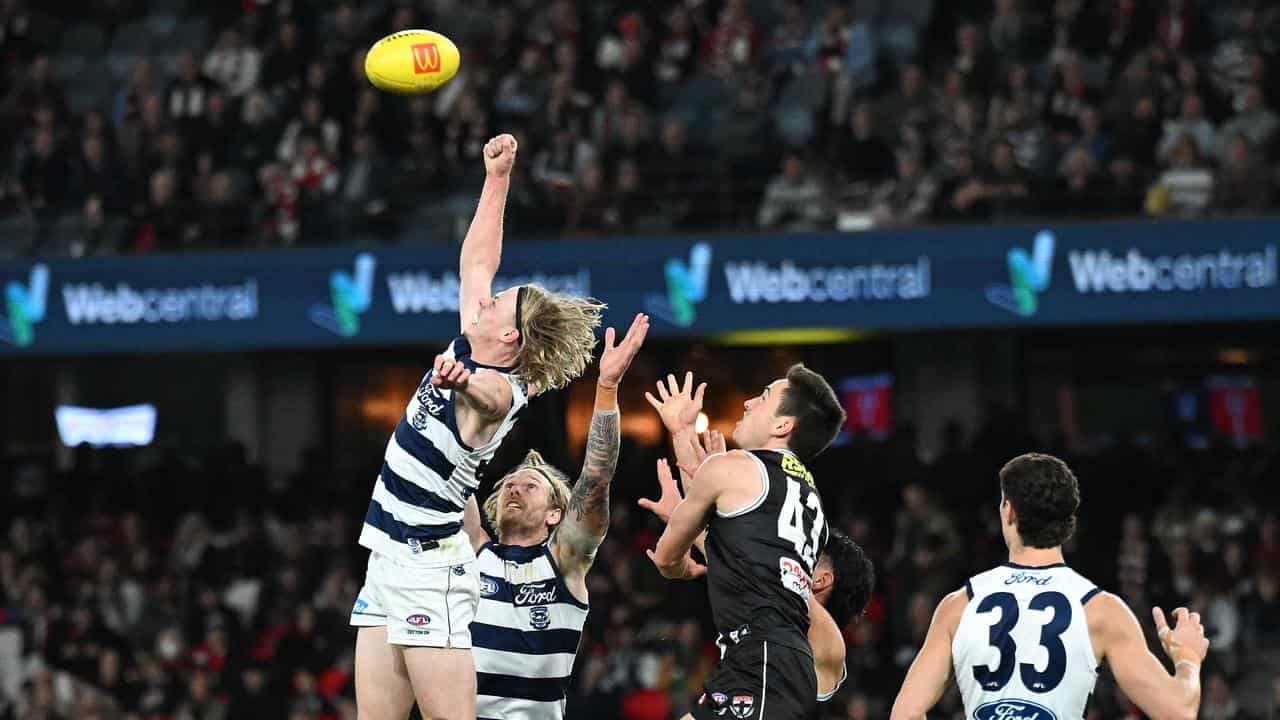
(1022, 649)
(760, 558)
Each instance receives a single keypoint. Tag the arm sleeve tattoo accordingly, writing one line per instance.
(587, 519)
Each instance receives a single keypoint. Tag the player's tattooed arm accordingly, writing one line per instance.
(587, 518)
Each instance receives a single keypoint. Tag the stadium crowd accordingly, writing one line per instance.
(134, 126)
(143, 585)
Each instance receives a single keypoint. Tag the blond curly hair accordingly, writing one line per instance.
(557, 496)
(557, 336)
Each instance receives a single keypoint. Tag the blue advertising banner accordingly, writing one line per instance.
(1029, 276)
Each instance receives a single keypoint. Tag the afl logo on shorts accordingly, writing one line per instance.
(1013, 710)
(540, 618)
(418, 620)
(743, 706)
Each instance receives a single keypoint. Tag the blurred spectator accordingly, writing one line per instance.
(234, 64)
(795, 200)
(312, 122)
(1079, 192)
(910, 109)
(522, 92)
(906, 199)
(844, 49)
(973, 59)
(465, 133)
(862, 154)
(187, 98)
(284, 61)
(163, 223)
(1192, 122)
(1012, 31)
(557, 166)
(216, 134)
(1139, 132)
(732, 44)
(1071, 95)
(362, 191)
(677, 49)
(1186, 188)
(633, 208)
(44, 174)
(1244, 183)
(1005, 186)
(256, 134)
(962, 195)
(676, 174)
(1256, 121)
(589, 211)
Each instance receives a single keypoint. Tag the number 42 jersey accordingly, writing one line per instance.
(760, 558)
(1022, 649)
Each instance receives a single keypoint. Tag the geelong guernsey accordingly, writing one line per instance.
(525, 635)
(1022, 649)
(428, 473)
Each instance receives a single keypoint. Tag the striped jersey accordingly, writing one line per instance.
(428, 474)
(525, 635)
(1022, 649)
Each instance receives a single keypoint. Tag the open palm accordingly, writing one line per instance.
(615, 359)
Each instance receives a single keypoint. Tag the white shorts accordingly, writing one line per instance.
(423, 607)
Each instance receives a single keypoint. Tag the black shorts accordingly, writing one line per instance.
(760, 679)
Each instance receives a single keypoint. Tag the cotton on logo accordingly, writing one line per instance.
(426, 58)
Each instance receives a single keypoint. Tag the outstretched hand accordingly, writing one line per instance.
(678, 406)
(669, 496)
(615, 359)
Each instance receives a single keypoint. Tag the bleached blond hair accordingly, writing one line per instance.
(557, 496)
(557, 336)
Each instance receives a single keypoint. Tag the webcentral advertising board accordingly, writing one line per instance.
(1029, 276)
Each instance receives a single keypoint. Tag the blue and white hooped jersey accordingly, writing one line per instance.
(525, 635)
(415, 516)
(1022, 649)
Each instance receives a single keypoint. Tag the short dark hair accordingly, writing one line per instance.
(1045, 495)
(855, 577)
(816, 410)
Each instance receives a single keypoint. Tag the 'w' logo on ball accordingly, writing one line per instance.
(426, 58)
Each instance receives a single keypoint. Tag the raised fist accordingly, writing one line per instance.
(500, 155)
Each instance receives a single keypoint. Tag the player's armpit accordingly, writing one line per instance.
(1141, 676)
(927, 679)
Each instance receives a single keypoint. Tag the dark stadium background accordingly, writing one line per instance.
(209, 576)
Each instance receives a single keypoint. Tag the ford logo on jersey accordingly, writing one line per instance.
(1022, 578)
(418, 620)
(539, 593)
(1013, 710)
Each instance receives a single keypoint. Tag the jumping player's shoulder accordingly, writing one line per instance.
(726, 465)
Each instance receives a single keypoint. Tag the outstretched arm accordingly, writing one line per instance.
(929, 674)
(472, 523)
(587, 519)
(482, 247)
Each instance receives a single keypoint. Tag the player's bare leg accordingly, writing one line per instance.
(383, 691)
(444, 682)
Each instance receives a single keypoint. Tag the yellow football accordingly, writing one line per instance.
(412, 62)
